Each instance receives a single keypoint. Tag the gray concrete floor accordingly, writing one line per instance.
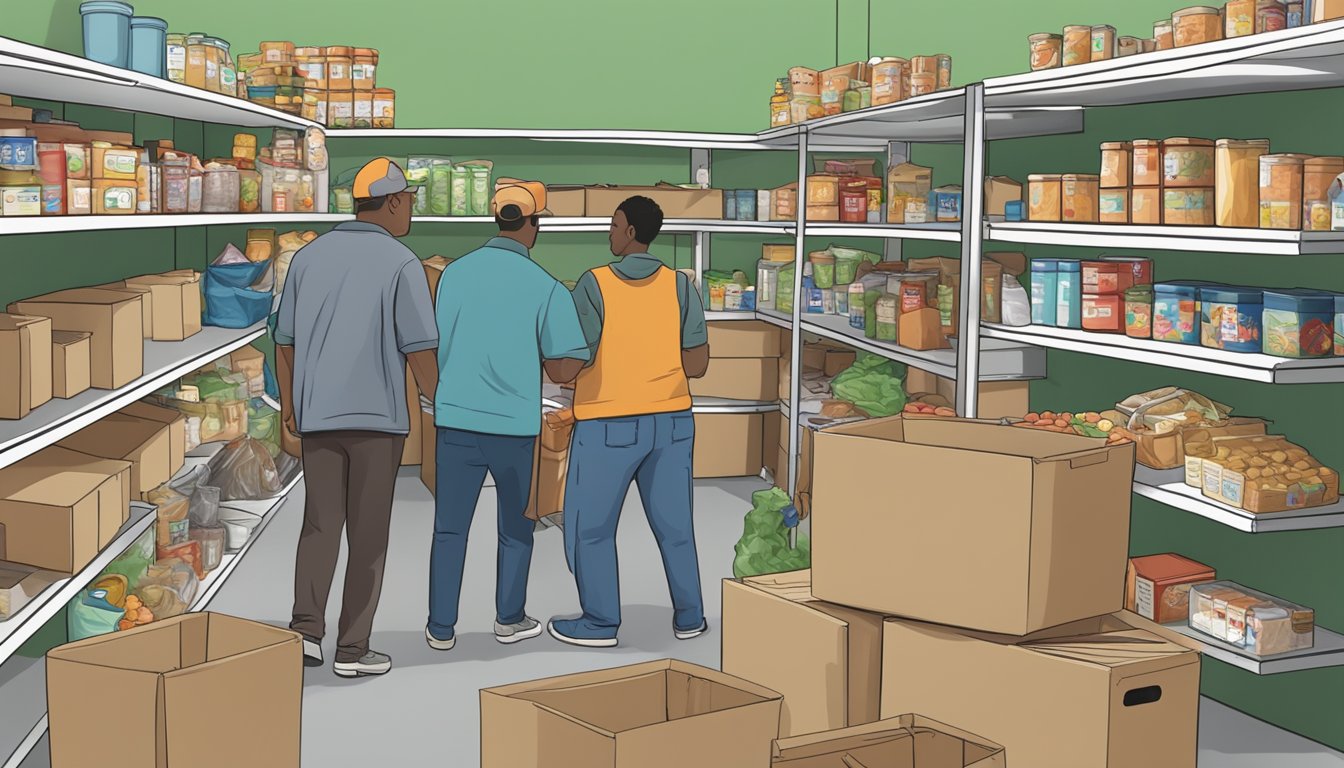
(428, 706)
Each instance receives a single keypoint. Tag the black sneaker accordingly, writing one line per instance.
(373, 663)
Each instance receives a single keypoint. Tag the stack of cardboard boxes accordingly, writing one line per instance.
(983, 586)
(743, 366)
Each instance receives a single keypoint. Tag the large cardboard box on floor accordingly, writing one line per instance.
(204, 689)
(176, 423)
(147, 445)
(829, 671)
(58, 508)
(739, 378)
(25, 364)
(116, 347)
(1005, 529)
(662, 714)
(728, 445)
(676, 202)
(908, 741)
(1109, 692)
(177, 303)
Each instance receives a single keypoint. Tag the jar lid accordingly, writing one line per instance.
(152, 22)
(1194, 10)
(1184, 142)
(106, 6)
(1248, 143)
(367, 52)
(1045, 177)
(1147, 143)
(1231, 294)
(1096, 27)
(1041, 36)
(1106, 145)
(1080, 177)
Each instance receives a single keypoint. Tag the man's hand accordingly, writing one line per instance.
(290, 423)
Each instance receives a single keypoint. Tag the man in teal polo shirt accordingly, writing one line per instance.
(501, 318)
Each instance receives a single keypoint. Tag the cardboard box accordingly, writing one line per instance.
(1109, 692)
(743, 338)
(550, 465)
(116, 346)
(922, 330)
(1044, 517)
(1167, 450)
(19, 584)
(779, 252)
(10, 112)
(1325, 10)
(177, 304)
(147, 445)
(906, 182)
(428, 440)
(837, 361)
(58, 508)
(567, 201)
(251, 362)
(998, 399)
(167, 417)
(434, 266)
(1157, 587)
(662, 714)
(175, 683)
(728, 445)
(829, 671)
(676, 202)
(25, 364)
(908, 741)
(78, 197)
(998, 191)
(739, 378)
(146, 304)
(823, 213)
(69, 363)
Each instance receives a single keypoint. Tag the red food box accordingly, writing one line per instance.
(1158, 586)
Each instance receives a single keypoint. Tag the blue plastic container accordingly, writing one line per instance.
(1069, 309)
(1176, 312)
(1014, 210)
(149, 46)
(1044, 290)
(1299, 323)
(107, 32)
(1230, 317)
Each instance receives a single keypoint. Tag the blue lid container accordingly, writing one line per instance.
(107, 32)
(1045, 265)
(1230, 294)
(1186, 289)
(1069, 265)
(1303, 301)
(1230, 317)
(1014, 210)
(149, 46)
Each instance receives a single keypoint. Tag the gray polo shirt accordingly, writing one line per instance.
(588, 301)
(355, 303)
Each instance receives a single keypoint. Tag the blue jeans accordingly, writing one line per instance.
(463, 459)
(606, 454)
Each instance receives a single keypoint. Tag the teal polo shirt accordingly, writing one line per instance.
(499, 316)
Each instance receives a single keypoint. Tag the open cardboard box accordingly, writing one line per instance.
(908, 741)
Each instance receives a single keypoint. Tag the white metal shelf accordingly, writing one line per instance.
(1292, 59)
(1190, 357)
(31, 225)
(1328, 651)
(35, 72)
(678, 139)
(999, 360)
(721, 316)
(718, 405)
(947, 233)
(18, 629)
(1169, 488)
(774, 318)
(165, 362)
(1267, 242)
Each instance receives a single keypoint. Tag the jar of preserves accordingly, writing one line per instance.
(1318, 174)
(1187, 163)
(1077, 45)
(221, 189)
(1237, 194)
(1163, 35)
(1239, 18)
(1043, 197)
(364, 68)
(1195, 25)
(1148, 165)
(196, 54)
(214, 57)
(385, 108)
(1115, 164)
(249, 191)
(339, 64)
(1103, 42)
(891, 80)
(1078, 196)
(1047, 52)
(1270, 15)
(1281, 191)
(228, 74)
(176, 54)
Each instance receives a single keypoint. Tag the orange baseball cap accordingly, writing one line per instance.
(529, 196)
(378, 178)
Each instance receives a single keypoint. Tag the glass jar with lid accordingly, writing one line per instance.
(196, 54)
(249, 191)
(1281, 191)
(214, 56)
(221, 189)
(177, 57)
(228, 74)
(1195, 25)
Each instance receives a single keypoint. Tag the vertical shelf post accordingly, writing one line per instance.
(701, 161)
(972, 237)
(897, 152)
(795, 322)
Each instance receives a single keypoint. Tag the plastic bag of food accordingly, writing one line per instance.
(263, 423)
(873, 385)
(137, 558)
(1016, 303)
(90, 615)
(171, 573)
(764, 546)
(244, 470)
(163, 602)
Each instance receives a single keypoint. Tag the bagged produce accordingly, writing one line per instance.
(91, 615)
(873, 384)
(764, 546)
(263, 424)
(244, 469)
(132, 564)
(163, 602)
(173, 573)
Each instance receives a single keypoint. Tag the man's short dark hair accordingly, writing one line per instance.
(510, 219)
(370, 204)
(645, 216)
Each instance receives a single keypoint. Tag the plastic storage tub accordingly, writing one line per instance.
(1230, 318)
(1044, 290)
(1176, 312)
(1299, 323)
(149, 46)
(107, 32)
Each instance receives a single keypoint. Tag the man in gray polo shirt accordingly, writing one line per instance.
(354, 312)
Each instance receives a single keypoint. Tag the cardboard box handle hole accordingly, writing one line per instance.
(1147, 695)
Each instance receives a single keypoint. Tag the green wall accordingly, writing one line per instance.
(709, 65)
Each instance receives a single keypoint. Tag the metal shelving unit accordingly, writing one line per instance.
(1168, 487)
(1328, 651)
(1261, 242)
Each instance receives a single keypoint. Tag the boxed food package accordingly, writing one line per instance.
(784, 203)
(823, 213)
(999, 191)
(177, 303)
(147, 445)
(739, 378)
(1325, 10)
(428, 440)
(1000, 493)
(220, 420)
(907, 741)
(567, 201)
(922, 330)
(58, 508)
(907, 182)
(251, 362)
(19, 584)
(174, 682)
(78, 197)
(1254, 621)
(743, 338)
(828, 672)
(1108, 692)
(25, 364)
(434, 266)
(728, 445)
(170, 418)
(676, 202)
(661, 713)
(550, 464)
(69, 363)
(1260, 474)
(1164, 447)
(116, 344)
(1157, 587)
(779, 252)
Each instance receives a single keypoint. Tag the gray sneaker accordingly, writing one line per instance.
(373, 663)
(526, 629)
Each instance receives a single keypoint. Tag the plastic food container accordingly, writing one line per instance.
(1188, 163)
(107, 32)
(213, 540)
(887, 308)
(1318, 174)
(1106, 277)
(228, 74)
(1195, 25)
(1014, 210)
(823, 268)
(1299, 323)
(1105, 314)
(384, 108)
(277, 52)
(1139, 312)
(1237, 189)
(1281, 191)
(149, 45)
(1069, 296)
(1163, 35)
(1043, 196)
(1339, 325)
(17, 152)
(362, 108)
(1262, 624)
(1044, 291)
(1116, 164)
(1188, 206)
(1077, 45)
(945, 202)
(1047, 51)
(364, 68)
(1176, 312)
(176, 57)
(1148, 163)
(1140, 268)
(221, 193)
(1230, 318)
(1079, 198)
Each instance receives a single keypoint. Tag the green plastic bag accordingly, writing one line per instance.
(873, 385)
(764, 546)
(135, 561)
(84, 620)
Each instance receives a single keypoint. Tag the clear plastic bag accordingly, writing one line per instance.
(244, 470)
(1016, 303)
(163, 602)
(136, 559)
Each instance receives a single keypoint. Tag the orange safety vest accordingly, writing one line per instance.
(637, 369)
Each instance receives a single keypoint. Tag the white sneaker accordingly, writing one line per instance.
(692, 634)
(437, 644)
(526, 629)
